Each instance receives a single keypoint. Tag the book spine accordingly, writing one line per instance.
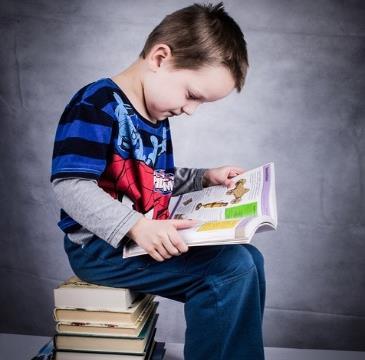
(265, 209)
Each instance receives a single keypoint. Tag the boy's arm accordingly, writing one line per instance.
(187, 180)
(95, 209)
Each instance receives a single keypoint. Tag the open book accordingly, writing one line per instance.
(225, 216)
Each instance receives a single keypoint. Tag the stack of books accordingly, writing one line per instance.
(104, 323)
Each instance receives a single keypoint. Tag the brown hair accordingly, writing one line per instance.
(201, 35)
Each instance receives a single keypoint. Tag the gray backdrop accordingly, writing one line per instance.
(302, 107)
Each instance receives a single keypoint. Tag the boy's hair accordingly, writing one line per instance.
(201, 35)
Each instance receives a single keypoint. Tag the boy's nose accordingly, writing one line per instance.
(190, 108)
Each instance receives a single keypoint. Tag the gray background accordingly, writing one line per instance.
(302, 107)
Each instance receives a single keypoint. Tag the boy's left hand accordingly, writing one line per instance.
(221, 175)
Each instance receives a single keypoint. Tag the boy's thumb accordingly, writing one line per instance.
(183, 223)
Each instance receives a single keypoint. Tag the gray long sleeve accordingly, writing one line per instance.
(187, 180)
(101, 214)
(94, 209)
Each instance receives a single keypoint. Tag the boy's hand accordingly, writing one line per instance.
(221, 175)
(160, 237)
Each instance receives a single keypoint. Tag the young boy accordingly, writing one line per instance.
(113, 173)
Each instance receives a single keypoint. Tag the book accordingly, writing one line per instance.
(46, 352)
(128, 318)
(225, 216)
(108, 329)
(75, 293)
(159, 351)
(156, 351)
(120, 344)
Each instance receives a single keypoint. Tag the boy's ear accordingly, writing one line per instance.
(159, 54)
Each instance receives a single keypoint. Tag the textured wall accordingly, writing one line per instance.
(302, 108)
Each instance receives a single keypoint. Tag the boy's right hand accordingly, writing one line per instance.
(160, 237)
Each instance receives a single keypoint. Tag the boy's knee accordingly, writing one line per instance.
(255, 253)
(232, 260)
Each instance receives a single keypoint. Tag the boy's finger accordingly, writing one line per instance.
(155, 255)
(184, 223)
(178, 243)
(237, 170)
(230, 186)
(170, 246)
(163, 251)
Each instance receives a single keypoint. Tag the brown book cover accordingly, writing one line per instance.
(126, 318)
(114, 344)
(153, 351)
(108, 330)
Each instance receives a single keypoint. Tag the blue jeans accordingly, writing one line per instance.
(222, 288)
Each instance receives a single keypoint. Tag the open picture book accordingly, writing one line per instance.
(225, 216)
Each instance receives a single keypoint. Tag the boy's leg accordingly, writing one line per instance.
(218, 284)
(258, 259)
(226, 310)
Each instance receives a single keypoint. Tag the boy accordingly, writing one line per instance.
(113, 173)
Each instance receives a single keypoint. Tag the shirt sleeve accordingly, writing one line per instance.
(82, 142)
(95, 209)
(187, 180)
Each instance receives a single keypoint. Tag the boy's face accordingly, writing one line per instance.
(169, 92)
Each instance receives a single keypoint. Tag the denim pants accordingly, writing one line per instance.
(222, 288)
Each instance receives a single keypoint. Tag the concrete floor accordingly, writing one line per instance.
(23, 347)
(175, 352)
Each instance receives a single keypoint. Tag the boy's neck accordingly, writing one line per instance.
(130, 81)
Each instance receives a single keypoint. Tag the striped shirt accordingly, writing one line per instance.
(101, 136)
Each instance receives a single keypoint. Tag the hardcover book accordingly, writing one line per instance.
(108, 329)
(120, 344)
(75, 293)
(128, 318)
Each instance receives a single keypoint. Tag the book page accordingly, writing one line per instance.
(220, 203)
(203, 233)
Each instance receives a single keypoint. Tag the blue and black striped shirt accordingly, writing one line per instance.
(102, 136)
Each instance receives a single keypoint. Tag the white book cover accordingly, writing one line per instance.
(75, 293)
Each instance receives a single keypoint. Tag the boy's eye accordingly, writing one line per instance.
(192, 96)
